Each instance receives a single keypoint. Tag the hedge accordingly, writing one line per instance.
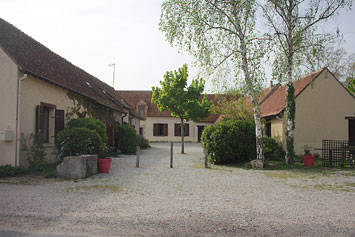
(231, 141)
(77, 141)
(126, 139)
(92, 124)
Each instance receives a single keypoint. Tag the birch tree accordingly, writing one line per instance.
(219, 34)
(292, 25)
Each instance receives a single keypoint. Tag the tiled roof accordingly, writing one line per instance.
(276, 101)
(133, 97)
(35, 59)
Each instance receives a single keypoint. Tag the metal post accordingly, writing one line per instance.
(114, 67)
(138, 154)
(330, 157)
(206, 158)
(171, 155)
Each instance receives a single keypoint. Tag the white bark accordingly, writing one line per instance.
(290, 121)
(256, 110)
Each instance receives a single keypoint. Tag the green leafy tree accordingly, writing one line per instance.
(233, 106)
(292, 24)
(220, 35)
(183, 101)
(351, 85)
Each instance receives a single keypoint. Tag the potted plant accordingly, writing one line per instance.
(308, 158)
(103, 162)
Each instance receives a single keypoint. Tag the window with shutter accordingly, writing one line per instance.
(59, 121)
(160, 129)
(47, 122)
(42, 121)
(178, 130)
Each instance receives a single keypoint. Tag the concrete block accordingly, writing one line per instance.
(77, 167)
(257, 164)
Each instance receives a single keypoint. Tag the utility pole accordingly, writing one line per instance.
(114, 67)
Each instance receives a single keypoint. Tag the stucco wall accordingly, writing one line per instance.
(278, 128)
(147, 126)
(320, 113)
(8, 105)
(35, 91)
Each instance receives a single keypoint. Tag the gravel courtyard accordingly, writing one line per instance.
(187, 200)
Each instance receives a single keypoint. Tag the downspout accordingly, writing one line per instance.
(18, 131)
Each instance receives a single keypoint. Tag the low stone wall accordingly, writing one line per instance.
(77, 167)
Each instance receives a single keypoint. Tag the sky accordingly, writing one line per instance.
(92, 34)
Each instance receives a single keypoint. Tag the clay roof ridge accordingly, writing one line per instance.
(110, 99)
(273, 89)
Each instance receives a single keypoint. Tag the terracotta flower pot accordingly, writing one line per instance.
(308, 160)
(104, 164)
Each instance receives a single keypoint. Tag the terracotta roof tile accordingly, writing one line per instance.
(37, 60)
(133, 97)
(276, 101)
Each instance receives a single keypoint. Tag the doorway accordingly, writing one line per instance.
(199, 132)
(351, 132)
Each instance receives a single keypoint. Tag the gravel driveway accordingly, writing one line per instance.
(187, 200)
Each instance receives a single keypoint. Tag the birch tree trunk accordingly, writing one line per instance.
(290, 105)
(182, 135)
(256, 110)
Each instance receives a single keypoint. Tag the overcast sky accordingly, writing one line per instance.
(94, 33)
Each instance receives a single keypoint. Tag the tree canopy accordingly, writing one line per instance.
(222, 37)
(182, 101)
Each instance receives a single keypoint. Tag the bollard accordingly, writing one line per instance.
(171, 155)
(138, 153)
(206, 158)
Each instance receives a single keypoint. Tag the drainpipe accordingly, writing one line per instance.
(18, 131)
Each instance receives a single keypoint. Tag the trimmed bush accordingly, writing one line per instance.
(92, 124)
(79, 141)
(126, 139)
(9, 171)
(143, 142)
(273, 149)
(230, 141)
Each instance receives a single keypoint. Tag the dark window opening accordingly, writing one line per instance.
(160, 129)
(141, 111)
(49, 121)
(351, 132)
(141, 131)
(268, 129)
(178, 130)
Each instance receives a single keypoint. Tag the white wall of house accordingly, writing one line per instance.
(320, 113)
(35, 91)
(148, 126)
(8, 108)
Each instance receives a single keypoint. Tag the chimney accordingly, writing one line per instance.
(271, 84)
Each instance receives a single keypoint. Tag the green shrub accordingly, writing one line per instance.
(35, 151)
(92, 124)
(8, 171)
(143, 142)
(78, 141)
(126, 139)
(231, 141)
(273, 149)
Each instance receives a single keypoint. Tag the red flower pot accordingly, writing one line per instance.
(104, 164)
(308, 160)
